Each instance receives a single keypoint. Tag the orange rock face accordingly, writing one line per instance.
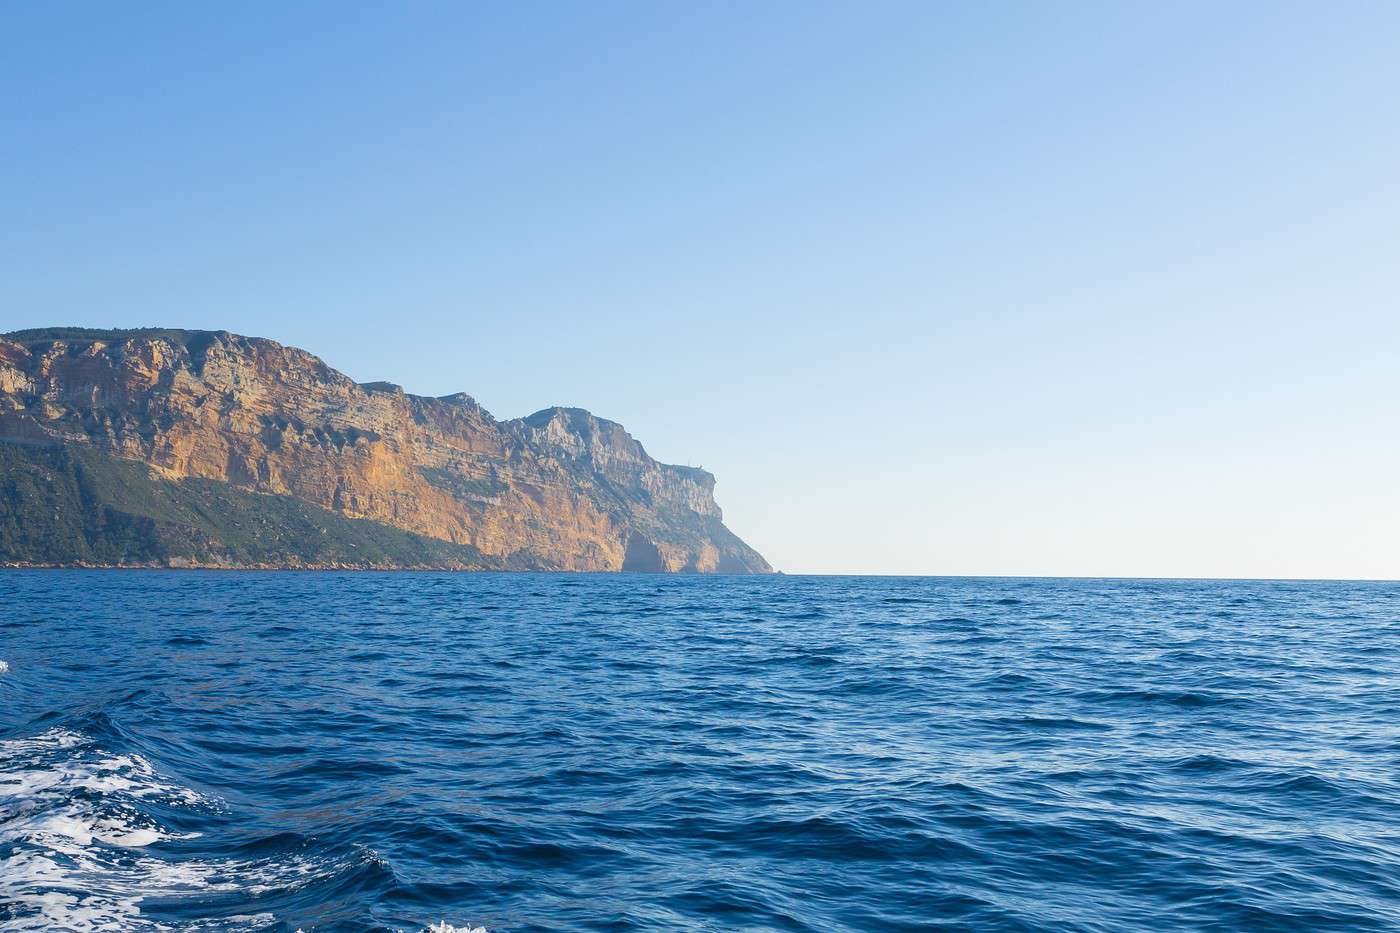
(560, 489)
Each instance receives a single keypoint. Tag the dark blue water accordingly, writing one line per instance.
(273, 751)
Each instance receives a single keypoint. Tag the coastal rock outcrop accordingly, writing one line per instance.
(560, 489)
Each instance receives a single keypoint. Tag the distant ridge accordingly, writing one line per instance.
(172, 447)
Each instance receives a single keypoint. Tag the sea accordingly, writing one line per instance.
(318, 751)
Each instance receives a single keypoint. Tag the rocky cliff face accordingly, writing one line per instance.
(560, 489)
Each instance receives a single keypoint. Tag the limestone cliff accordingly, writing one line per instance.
(560, 489)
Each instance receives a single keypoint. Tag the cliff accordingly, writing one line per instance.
(142, 427)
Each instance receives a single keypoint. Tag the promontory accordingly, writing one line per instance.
(155, 447)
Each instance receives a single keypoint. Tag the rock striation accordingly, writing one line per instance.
(560, 489)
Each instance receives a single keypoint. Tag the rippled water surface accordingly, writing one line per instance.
(273, 751)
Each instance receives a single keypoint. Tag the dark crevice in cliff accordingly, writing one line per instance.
(642, 556)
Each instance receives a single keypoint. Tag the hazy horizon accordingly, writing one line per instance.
(1089, 291)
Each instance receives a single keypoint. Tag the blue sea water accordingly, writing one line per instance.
(347, 752)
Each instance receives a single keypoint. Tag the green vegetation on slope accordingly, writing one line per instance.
(41, 335)
(65, 505)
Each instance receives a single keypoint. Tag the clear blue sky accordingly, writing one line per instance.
(1055, 288)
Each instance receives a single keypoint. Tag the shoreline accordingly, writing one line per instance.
(359, 568)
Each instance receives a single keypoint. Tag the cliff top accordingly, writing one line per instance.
(577, 421)
(38, 335)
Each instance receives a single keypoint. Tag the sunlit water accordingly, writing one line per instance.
(274, 751)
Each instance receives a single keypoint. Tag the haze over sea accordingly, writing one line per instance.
(347, 752)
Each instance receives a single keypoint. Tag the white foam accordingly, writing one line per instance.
(97, 772)
(443, 927)
(72, 841)
(73, 836)
(4, 667)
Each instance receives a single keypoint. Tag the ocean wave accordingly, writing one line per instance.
(1116, 759)
(438, 928)
(79, 827)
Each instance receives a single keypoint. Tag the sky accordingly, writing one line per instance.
(1070, 288)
